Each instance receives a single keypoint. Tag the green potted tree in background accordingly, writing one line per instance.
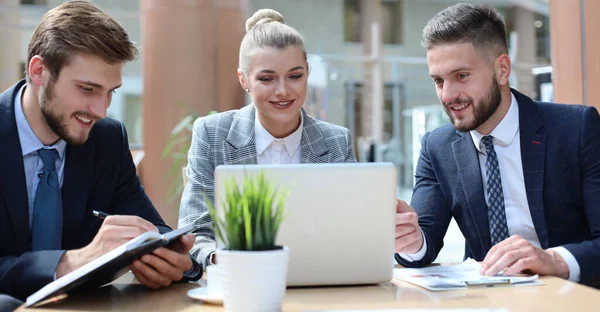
(177, 148)
(253, 269)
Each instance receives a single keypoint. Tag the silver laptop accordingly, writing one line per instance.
(340, 227)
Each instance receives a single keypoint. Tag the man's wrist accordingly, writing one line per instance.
(419, 254)
(561, 269)
(69, 262)
(194, 273)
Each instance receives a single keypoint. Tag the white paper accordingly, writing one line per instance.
(417, 310)
(460, 276)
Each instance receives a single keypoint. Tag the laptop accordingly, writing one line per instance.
(340, 225)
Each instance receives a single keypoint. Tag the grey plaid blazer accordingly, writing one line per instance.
(228, 138)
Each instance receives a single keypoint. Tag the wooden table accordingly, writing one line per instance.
(556, 295)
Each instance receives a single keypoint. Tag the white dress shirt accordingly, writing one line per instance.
(270, 150)
(507, 144)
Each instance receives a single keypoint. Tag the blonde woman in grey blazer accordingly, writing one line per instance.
(273, 129)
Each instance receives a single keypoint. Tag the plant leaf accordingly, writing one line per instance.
(253, 212)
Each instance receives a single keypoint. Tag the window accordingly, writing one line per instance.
(509, 21)
(132, 119)
(390, 20)
(391, 115)
(22, 68)
(34, 2)
(541, 25)
(542, 38)
(352, 21)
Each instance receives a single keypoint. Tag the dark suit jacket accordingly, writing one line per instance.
(560, 151)
(98, 175)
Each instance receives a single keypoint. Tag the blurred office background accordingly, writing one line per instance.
(368, 70)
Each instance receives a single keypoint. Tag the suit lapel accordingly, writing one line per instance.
(240, 147)
(12, 171)
(78, 176)
(314, 149)
(533, 156)
(469, 172)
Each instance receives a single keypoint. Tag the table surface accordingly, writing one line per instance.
(125, 294)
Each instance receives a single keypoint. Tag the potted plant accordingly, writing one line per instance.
(253, 268)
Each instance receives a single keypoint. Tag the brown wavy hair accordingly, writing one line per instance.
(79, 27)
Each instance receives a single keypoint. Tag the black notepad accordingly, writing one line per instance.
(107, 267)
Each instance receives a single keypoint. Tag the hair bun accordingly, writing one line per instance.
(263, 16)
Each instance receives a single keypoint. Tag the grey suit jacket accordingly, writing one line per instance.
(228, 138)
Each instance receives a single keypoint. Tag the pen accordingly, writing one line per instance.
(100, 214)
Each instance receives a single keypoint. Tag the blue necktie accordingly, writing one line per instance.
(47, 206)
(496, 211)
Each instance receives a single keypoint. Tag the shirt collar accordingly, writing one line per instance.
(505, 131)
(264, 138)
(29, 141)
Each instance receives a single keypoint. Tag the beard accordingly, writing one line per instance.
(57, 122)
(484, 109)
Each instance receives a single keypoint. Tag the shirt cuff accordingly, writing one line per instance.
(419, 255)
(193, 274)
(209, 259)
(574, 270)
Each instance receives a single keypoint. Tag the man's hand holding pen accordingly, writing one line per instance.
(158, 269)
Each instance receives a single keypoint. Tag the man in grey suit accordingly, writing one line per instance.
(274, 129)
(521, 178)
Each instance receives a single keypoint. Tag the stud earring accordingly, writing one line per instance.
(247, 89)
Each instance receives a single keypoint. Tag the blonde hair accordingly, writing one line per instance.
(79, 27)
(266, 28)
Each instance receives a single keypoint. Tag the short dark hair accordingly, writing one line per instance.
(478, 24)
(79, 27)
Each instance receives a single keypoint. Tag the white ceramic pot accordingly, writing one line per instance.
(253, 280)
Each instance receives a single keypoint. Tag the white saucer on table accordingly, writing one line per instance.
(201, 293)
